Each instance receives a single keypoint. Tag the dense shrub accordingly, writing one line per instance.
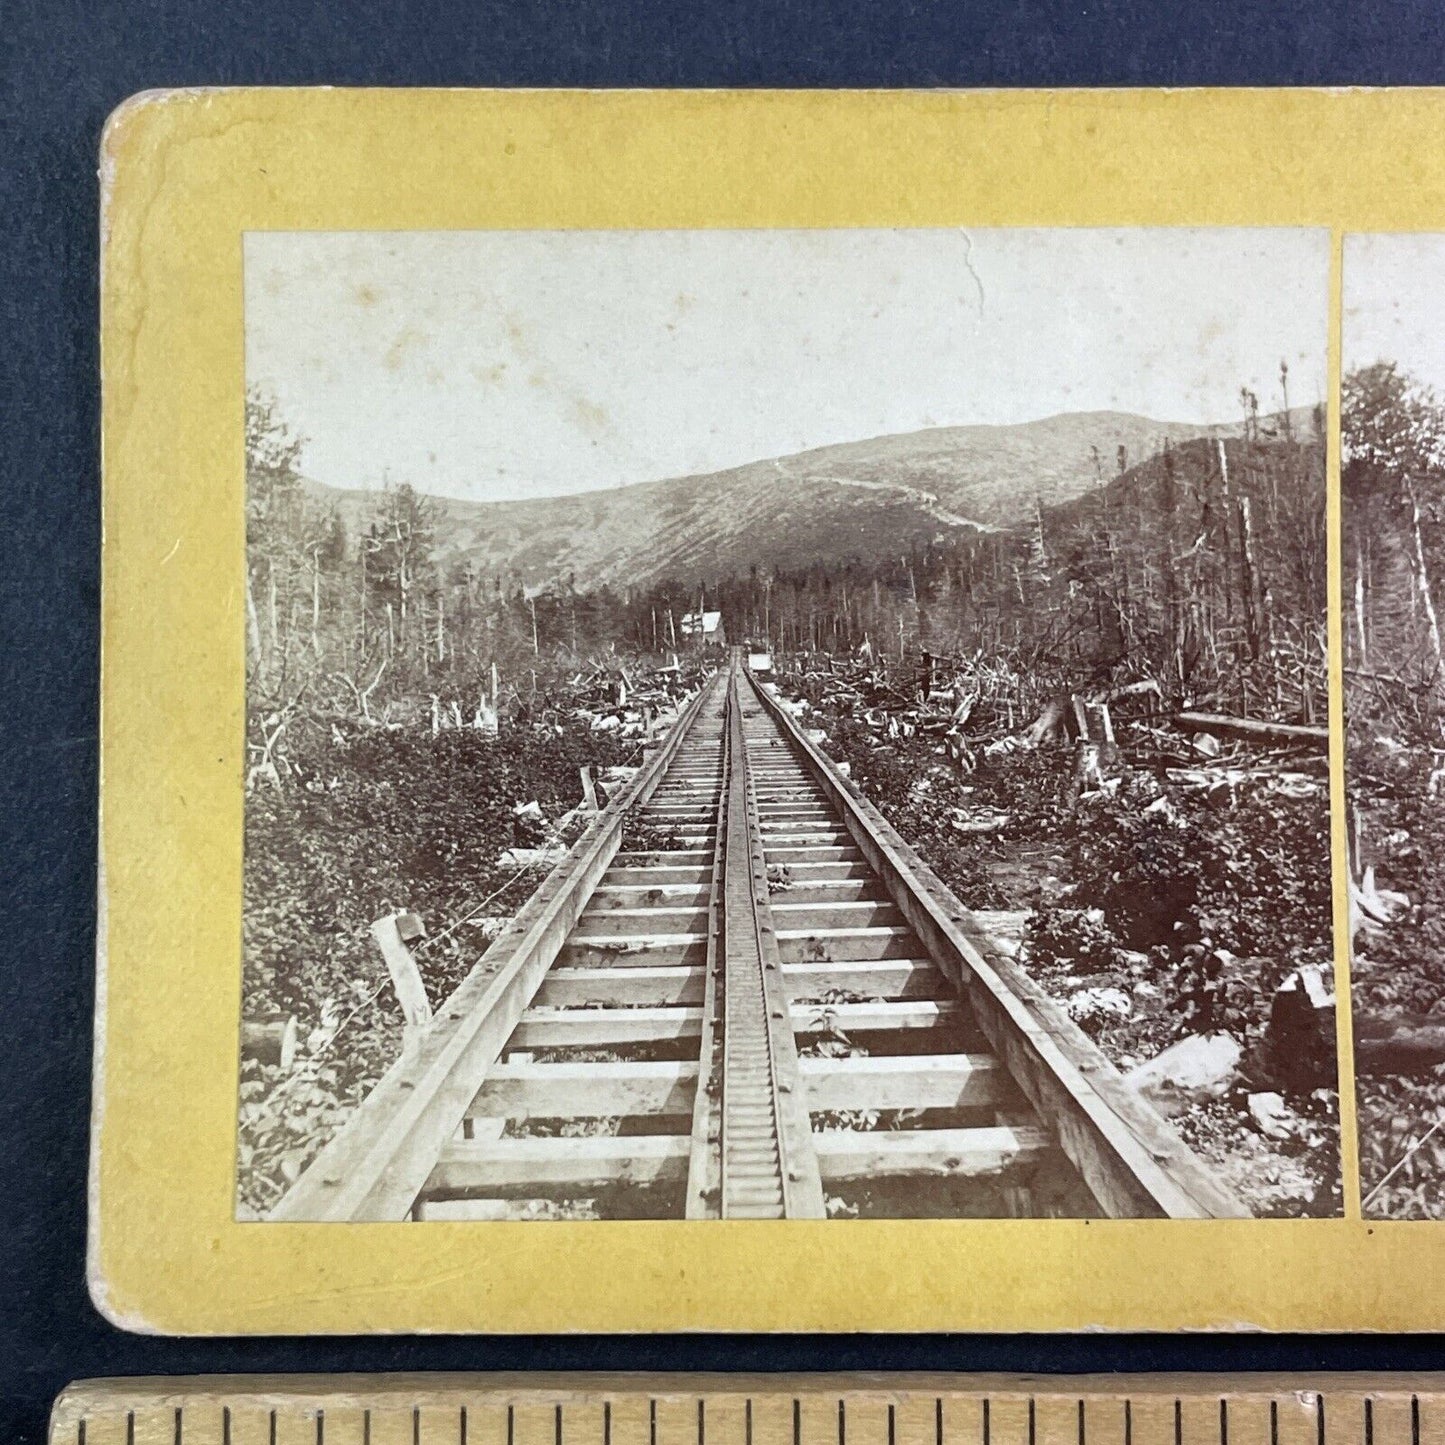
(1253, 878)
(380, 821)
(1076, 938)
(1402, 1129)
(1401, 969)
(1402, 966)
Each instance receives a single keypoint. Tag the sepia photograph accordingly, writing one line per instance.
(1392, 494)
(833, 724)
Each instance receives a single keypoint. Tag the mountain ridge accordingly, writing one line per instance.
(845, 499)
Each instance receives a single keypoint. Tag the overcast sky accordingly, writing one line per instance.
(1394, 303)
(530, 363)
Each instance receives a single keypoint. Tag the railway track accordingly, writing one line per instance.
(742, 996)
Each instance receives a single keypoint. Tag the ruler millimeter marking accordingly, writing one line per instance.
(896, 1409)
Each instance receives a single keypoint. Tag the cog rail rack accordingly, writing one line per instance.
(741, 995)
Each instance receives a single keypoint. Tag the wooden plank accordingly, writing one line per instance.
(570, 1166)
(791, 916)
(390, 1424)
(868, 978)
(654, 877)
(378, 1162)
(1152, 1422)
(628, 1421)
(792, 854)
(582, 1091)
(621, 987)
(668, 918)
(583, 1422)
(751, 937)
(804, 871)
(390, 934)
(598, 1028)
(875, 1017)
(863, 1420)
(726, 1421)
(674, 1421)
(1056, 1420)
(1107, 1418)
(650, 949)
(807, 888)
(815, 1421)
(1005, 1422)
(533, 1422)
(271, 1040)
(1381, 1418)
(1199, 1422)
(703, 1198)
(843, 945)
(940, 1153)
(664, 857)
(905, 1081)
(641, 894)
(589, 791)
(1247, 1422)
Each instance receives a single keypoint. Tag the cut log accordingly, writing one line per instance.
(271, 1040)
(1299, 1041)
(1251, 729)
(1399, 1043)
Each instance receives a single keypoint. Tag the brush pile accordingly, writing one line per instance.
(1169, 884)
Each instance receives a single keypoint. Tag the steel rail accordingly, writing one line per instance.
(379, 1162)
(1128, 1156)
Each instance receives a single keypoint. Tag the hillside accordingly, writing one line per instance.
(1203, 566)
(886, 494)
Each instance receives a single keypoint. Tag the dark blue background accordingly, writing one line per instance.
(62, 69)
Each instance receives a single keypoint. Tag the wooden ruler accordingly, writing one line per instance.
(893, 1409)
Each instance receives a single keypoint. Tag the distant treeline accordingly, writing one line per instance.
(1203, 566)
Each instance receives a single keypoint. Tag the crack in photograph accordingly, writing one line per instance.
(811, 724)
(1392, 492)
